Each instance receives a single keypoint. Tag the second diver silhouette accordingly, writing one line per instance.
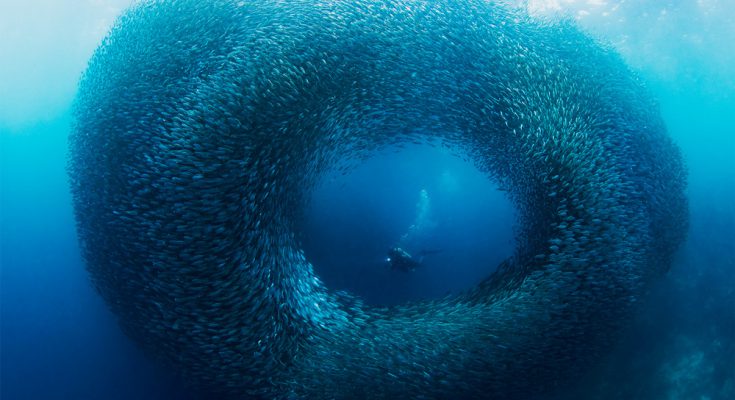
(401, 260)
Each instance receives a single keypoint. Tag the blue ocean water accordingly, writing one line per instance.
(420, 198)
(59, 341)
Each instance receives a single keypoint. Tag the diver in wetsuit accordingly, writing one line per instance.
(400, 259)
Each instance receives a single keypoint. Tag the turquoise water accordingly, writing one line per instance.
(59, 341)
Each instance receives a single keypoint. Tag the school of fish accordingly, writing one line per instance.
(202, 125)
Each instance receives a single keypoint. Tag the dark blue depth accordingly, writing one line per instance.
(420, 198)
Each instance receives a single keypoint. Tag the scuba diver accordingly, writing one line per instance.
(400, 259)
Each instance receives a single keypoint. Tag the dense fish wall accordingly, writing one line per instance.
(201, 126)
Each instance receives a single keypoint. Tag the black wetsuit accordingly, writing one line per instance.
(400, 259)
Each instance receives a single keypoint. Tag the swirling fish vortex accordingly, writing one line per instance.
(201, 127)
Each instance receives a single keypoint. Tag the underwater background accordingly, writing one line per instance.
(59, 341)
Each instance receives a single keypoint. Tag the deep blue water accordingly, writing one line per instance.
(419, 198)
(59, 341)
